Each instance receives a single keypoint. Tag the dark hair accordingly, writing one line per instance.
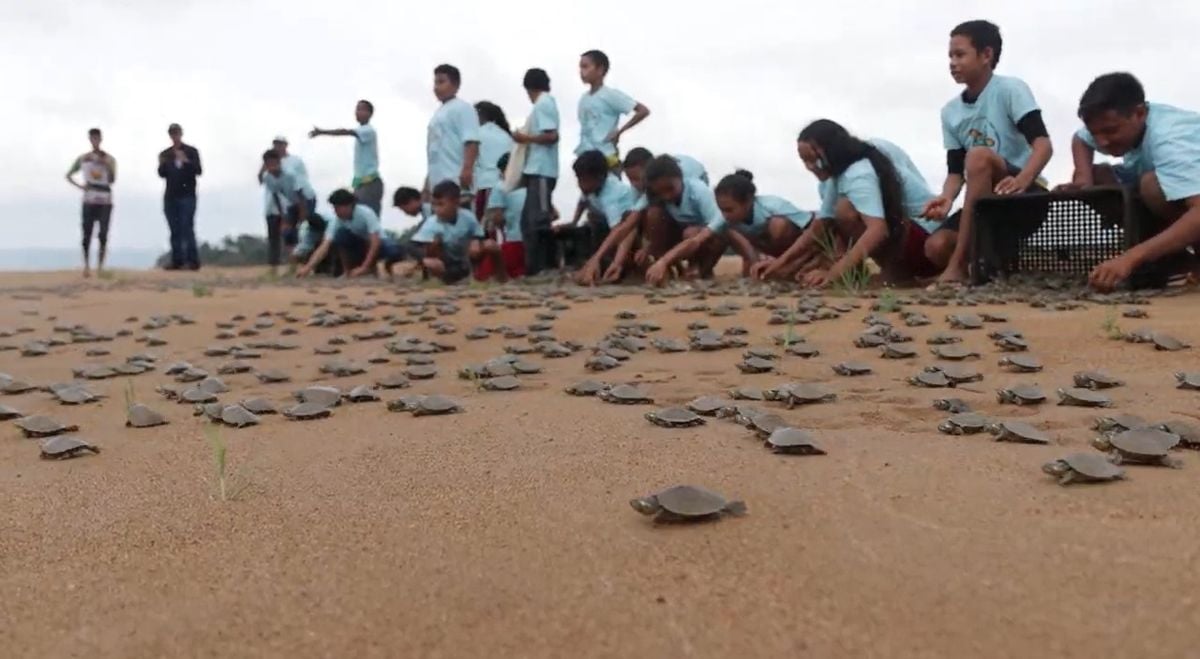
(738, 185)
(502, 163)
(537, 79)
(1118, 92)
(983, 35)
(450, 71)
(843, 149)
(598, 58)
(447, 190)
(93, 132)
(270, 154)
(663, 166)
(489, 112)
(591, 163)
(637, 157)
(370, 106)
(403, 195)
(342, 197)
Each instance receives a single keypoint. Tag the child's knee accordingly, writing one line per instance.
(939, 245)
(981, 161)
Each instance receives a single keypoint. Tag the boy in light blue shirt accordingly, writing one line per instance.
(609, 202)
(601, 108)
(452, 143)
(289, 200)
(357, 235)
(452, 237)
(368, 187)
(1160, 150)
(995, 139)
(540, 173)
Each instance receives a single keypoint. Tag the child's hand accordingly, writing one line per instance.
(1107, 275)
(937, 208)
(765, 267)
(1013, 185)
(818, 278)
(520, 138)
(657, 273)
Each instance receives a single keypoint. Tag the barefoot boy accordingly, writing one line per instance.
(356, 234)
(452, 237)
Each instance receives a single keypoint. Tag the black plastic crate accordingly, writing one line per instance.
(1059, 232)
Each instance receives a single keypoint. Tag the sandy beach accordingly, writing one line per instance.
(506, 530)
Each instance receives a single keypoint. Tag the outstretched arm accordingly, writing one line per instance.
(318, 255)
(332, 132)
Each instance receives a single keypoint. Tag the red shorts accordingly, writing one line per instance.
(912, 251)
(514, 262)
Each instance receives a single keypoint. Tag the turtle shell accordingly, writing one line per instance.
(1021, 395)
(897, 351)
(140, 416)
(196, 395)
(1119, 422)
(259, 406)
(1188, 380)
(362, 394)
(61, 448)
(308, 410)
(272, 376)
(1083, 468)
(1096, 380)
(756, 365)
(502, 383)
(870, 341)
(17, 387)
(324, 396)
(213, 386)
(964, 321)
(625, 393)
(966, 423)
(792, 441)
(191, 374)
(238, 417)
(1189, 433)
(1144, 442)
(432, 405)
(674, 417)
(805, 393)
(943, 338)
(708, 405)
(421, 371)
(43, 426)
(1080, 397)
(1018, 431)
(1022, 363)
(954, 352)
(586, 388)
(601, 363)
(958, 373)
(525, 368)
(1168, 343)
(7, 413)
(931, 379)
(760, 353)
(74, 395)
(802, 349)
(691, 501)
(951, 405)
(852, 368)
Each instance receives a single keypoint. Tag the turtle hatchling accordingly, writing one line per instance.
(259, 406)
(62, 448)
(435, 405)
(1188, 381)
(625, 394)
(586, 388)
(1080, 397)
(709, 405)
(954, 352)
(958, 373)
(307, 411)
(898, 351)
(1021, 395)
(674, 417)
(324, 396)
(601, 363)
(951, 405)
(7, 413)
(362, 394)
(196, 396)
(793, 441)
(43, 426)
(1168, 343)
(1083, 468)
(238, 417)
(140, 416)
(756, 365)
(421, 371)
(966, 423)
(272, 376)
(964, 321)
(502, 383)
(1019, 432)
(851, 369)
(1096, 380)
(686, 503)
(74, 395)
(931, 379)
(805, 394)
(1021, 363)
(1140, 446)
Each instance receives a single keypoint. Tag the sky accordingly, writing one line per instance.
(730, 83)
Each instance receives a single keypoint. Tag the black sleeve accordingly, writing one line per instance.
(196, 161)
(1032, 126)
(956, 161)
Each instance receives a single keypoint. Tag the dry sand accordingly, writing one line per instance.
(506, 530)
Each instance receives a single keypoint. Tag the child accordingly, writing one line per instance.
(764, 227)
(995, 140)
(503, 249)
(600, 110)
(1160, 148)
(358, 237)
(99, 173)
(541, 172)
(638, 157)
(308, 238)
(290, 200)
(452, 145)
(368, 187)
(871, 196)
(495, 140)
(451, 237)
(611, 203)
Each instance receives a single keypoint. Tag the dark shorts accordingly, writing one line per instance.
(291, 230)
(96, 216)
(456, 270)
(952, 222)
(912, 251)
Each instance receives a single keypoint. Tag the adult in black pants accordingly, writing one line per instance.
(179, 165)
(540, 173)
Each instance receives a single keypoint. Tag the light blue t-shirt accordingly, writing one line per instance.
(614, 200)
(991, 121)
(1170, 148)
(542, 159)
(366, 153)
(689, 166)
(295, 166)
(860, 184)
(766, 207)
(599, 113)
(308, 239)
(697, 206)
(456, 236)
(513, 203)
(363, 223)
(493, 144)
(284, 187)
(453, 126)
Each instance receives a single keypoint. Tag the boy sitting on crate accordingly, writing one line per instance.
(1160, 150)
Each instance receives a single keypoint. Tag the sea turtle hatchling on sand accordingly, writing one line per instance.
(7, 413)
(709, 405)
(803, 350)
(211, 411)
(1080, 397)
(1188, 433)
(957, 373)
(65, 447)
(1023, 394)
(1140, 446)
(1096, 380)
(435, 405)
(585, 388)
(951, 405)
(1188, 381)
(1083, 468)
(943, 339)
(746, 393)
(598, 363)
(756, 365)
(954, 352)
(14, 387)
(74, 395)
(502, 383)
(965, 423)
(1119, 423)
(362, 394)
(1021, 363)
(964, 321)
(870, 341)
(625, 394)
(1012, 344)
(850, 369)
(804, 393)
(238, 417)
(43, 426)
(1019, 432)
(421, 372)
(930, 379)
(140, 416)
(195, 396)
(307, 411)
(272, 376)
(686, 503)
(793, 441)
(897, 351)
(324, 396)
(259, 406)
(674, 417)
(1168, 343)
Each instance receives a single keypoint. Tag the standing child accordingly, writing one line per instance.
(1160, 150)
(503, 248)
(452, 145)
(995, 141)
(451, 237)
(601, 108)
(540, 173)
(99, 173)
(368, 187)
(763, 226)
(356, 234)
(610, 203)
(495, 140)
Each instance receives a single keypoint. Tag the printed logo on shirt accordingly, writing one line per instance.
(976, 137)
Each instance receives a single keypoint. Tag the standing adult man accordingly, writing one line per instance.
(453, 138)
(179, 165)
(368, 187)
(99, 171)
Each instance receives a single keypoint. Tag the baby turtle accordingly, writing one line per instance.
(686, 503)
(1021, 395)
(212, 411)
(272, 376)
(1019, 432)
(14, 387)
(760, 353)
(213, 386)
(525, 368)
(851, 369)
(802, 350)
(1188, 381)
(62, 448)
(951, 405)
(1080, 397)
(805, 394)
(625, 394)
(601, 363)
(324, 396)
(502, 383)
(362, 394)
(140, 416)
(1012, 344)
(586, 388)
(307, 411)
(667, 345)
(957, 373)
(964, 321)
(746, 393)
(954, 352)
(196, 396)
(259, 406)
(898, 351)
(1021, 363)
(74, 395)
(552, 350)
(756, 365)
(191, 374)
(1189, 433)
(1119, 422)
(421, 371)
(43, 426)
(943, 339)
(708, 342)
(1096, 380)
(234, 367)
(870, 341)
(1168, 343)
(1083, 468)
(932, 379)
(238, 417)
(435, 405)
(1140, 446)
(7, 413)
(993, 317)
(674, 417)
(966, 423)
(763, 424)
(793, 441)
(708, 405)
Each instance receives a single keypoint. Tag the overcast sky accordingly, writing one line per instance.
(730, 83)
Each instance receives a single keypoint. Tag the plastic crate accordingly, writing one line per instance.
(1060, 233)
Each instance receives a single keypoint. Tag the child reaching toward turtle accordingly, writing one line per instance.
(452, 237)
(760, 227)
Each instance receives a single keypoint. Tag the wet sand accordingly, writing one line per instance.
(506, 530)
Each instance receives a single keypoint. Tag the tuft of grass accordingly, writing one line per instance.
(852, 282)
(200, 290)
(1111, 328)
(887, 301)
(130, 398)
(219, 459)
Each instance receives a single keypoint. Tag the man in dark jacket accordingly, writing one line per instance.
(180, 165)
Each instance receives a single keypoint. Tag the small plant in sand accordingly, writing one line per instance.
(854, 280)
(887, 302)
(200, 290)
(226, 489)
(130, 398)
(1111, 328)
